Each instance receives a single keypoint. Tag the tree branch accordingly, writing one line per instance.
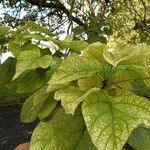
(58, 6)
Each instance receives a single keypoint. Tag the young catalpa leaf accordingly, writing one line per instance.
(140, 138)
(33, 105)
(70, 97)
(88, 83)
(62, 132)
(73, 68)
(28, 60)
(110, 120)
(95, 52)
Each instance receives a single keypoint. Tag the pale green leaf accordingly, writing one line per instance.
(47, 107)
(33, 105)
(62, 132)
(95, 52)
(110, 120)
(35, 27)
(70, 97)
(16, 48)
(54, 87)
(128, 54)
(140, 138)
(78, 46)
(124, 80)
(73, 68)
(88, 83)
(28, 60)
(75, 46)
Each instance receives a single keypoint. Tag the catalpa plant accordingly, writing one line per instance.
(86, 98)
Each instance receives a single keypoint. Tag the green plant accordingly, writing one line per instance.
(84, 100)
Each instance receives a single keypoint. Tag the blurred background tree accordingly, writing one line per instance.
(91, 20)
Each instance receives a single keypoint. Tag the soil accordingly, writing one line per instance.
(12, 131)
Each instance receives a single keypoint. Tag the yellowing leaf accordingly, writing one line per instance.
(35, 103)
(128, 54)
(47, 107)
(28, 60)
(110, 120)
(73, 68)
(70, 98)
(124, 80)
(89, 83)
(62, 132)
(95, 52)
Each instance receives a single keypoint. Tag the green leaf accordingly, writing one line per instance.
(4, 31)
(28, 60)
(124, 80)
(31, 81)
(110, 120)
(33, 105)
(73, 68)
(78, 30)
(75, 46)
(54, 87)
(88, 83)
(5, 91)
(53, 67)
(78, 46)
(62, 132)
(70, 97)
(47, 107)
(16, 48)
(140, 138)
(35, 27)
(7, 70)
(95, 52)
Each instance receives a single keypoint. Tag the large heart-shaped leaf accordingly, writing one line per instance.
(28, 60)
(70, 97)
(62, 132)
(110, 120)
(74, 67)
